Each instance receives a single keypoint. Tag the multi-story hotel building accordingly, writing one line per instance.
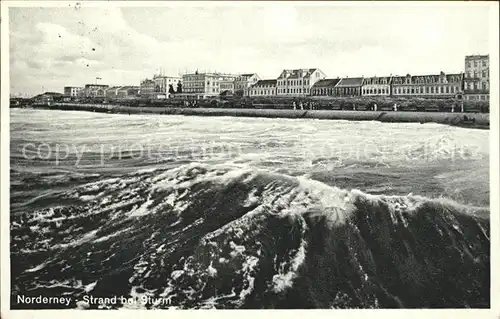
(477, 78)
(163, 83)
(201, 85)
(227, 83)
(263, 88)
(94, 90)
(298, 82)
(441, 85)
(349, 87)
(243, 82)
(324, 87)
(376, 86)
(72, 91)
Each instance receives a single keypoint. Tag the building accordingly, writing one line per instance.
(147, 88)
(203, 85)
(163, 84)
(121, 92)
(111, 92)
(298, 82)
(263, 88)
(128, 91)
(324, 87)
(48, 98)
(429, 86)
(349, 87)
(94, 90)
(72, 91)
(477, 78)
(243, 82)
(376, 86)
(227, 83)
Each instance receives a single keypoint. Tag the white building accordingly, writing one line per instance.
(376, 86)
(263, 88)
(298, 82)
(243, 82)
(163, 84)
(72, 91)
(477, 78)
(203, 85)
(227, 83)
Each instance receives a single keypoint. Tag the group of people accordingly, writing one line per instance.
(314, 106)
(308, 105)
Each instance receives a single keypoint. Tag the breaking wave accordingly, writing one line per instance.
(220, 236)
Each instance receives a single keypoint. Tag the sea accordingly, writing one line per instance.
(114, 211)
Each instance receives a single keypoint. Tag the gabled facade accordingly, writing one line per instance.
(349, 87)
(243, 82)
(324, 87)
(298, 82)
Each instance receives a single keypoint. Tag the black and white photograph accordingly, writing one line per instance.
(249, 155)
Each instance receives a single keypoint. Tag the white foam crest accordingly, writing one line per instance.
(83, 239)
(282, 281)
(105, 238)
(143, 210)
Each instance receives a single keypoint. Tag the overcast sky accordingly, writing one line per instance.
(57, 47)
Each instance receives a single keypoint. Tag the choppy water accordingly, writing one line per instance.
(198, 212)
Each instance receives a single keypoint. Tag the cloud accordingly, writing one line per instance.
(64, 46)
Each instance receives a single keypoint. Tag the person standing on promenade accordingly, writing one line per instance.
(395, 107)
(375, 107)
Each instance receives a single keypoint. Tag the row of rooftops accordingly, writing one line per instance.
(297, 73)
(385, 80)
(476, 57)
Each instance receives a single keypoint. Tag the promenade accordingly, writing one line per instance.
(472, 120)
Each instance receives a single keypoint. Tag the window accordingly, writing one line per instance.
(484, 74)
(469, 64)
(475, 64)
(484, 62)
(482, 96)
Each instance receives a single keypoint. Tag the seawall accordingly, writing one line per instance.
(473, 120)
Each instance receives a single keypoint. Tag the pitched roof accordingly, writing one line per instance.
(377, 80)
(129, 87)
(297, 73)
(326, 83)
(248, 74)
(350, 82)
(265, 82)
